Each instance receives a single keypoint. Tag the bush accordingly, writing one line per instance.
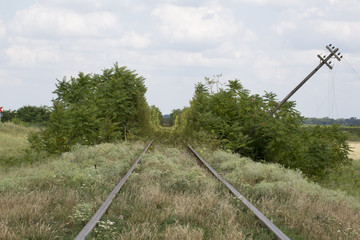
(94, 108)
(241, 122)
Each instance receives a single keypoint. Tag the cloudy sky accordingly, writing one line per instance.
(269, 45)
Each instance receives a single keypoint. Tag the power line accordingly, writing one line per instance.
(351, 69)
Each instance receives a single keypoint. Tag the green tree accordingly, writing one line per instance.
(33, 114)
(94, 108)
(175, 117)
(241, 122)
(8, 115)
(156, 118)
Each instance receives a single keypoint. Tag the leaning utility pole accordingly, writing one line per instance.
(323, 60)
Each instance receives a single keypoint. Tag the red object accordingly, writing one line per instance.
(1, 109)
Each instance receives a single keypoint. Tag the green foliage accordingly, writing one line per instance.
(175, 117)
(28, 114)
(353, 121)
(8, 115)
(82, 213)
(96, 108)
(156, 118)
(352, 132)
(33, 114)
(239, 121)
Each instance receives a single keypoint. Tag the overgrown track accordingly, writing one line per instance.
(103, 208)
(100, 212)
(278, 233)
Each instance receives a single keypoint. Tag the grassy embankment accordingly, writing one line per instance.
(167, 197)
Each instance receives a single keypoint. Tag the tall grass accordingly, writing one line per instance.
(13, 140)
(304, 208)
(167, 197)
(346, 178)
(171, 197)
(42, 201)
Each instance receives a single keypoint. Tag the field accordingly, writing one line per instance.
(168, 196)
(353, 132)
(355, 148)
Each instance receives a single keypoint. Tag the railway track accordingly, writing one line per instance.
(100, 212)
(103, 208)
(278, 233)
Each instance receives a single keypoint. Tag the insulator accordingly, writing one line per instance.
(330, 62)
(339, 54)
(330, 45)
(333, 47)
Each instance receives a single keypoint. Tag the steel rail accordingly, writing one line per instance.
(100, 212)
(278, 233)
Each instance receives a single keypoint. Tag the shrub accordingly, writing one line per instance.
(96, 108)
(241, 122)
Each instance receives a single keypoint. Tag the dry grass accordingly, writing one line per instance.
(158, 204)
(304, 208)
(40, 201)
(167, 197)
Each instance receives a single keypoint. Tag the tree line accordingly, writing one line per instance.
(28, 114)
(353, 121)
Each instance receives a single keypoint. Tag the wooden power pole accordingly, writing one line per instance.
(323, 60)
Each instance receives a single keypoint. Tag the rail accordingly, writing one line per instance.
(278, 233)
(100, 212)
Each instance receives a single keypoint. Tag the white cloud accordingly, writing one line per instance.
(9, 81)
(197, 24)
(269, 69)
(21, 55)
(344, 31)
(39, 20)
(313, 12)
(2, 29)
(349, 4)
(281, 3)
(95, 4)
(134, 40)
(122, 6)
(282, 27)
